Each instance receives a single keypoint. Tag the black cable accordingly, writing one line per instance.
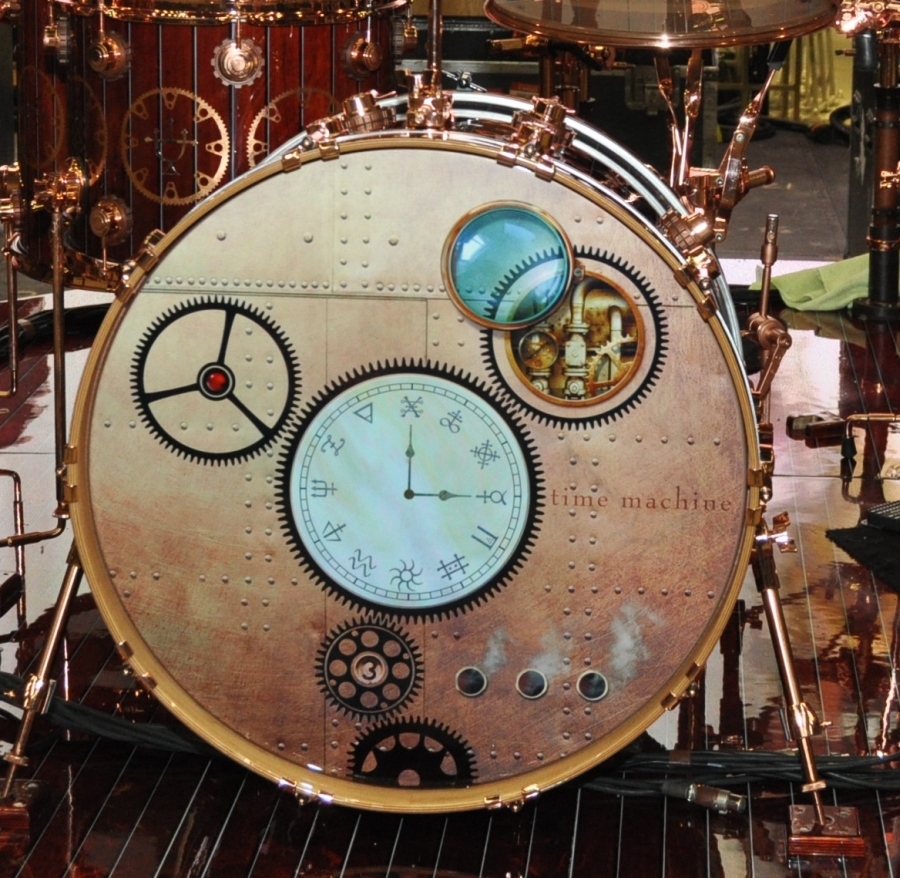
(697, 775)
(84, 320)
(80, 718)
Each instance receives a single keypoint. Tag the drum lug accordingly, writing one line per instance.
(526, 157)
(707, 308)
(237, 63)
(514, 803)
(110, 219)
(58, 39)
(362, 57)
(305, 794)
(109, 56)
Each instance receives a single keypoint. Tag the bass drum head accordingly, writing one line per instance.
(380, 551)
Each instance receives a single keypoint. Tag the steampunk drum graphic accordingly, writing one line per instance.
(415, 479)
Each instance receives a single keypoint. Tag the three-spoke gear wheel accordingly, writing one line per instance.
(215, 380)
(412, 753)
(369, 669)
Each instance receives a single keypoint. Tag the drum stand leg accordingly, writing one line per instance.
(816, 829)
(17, 796)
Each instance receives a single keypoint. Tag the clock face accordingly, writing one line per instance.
(409, 491)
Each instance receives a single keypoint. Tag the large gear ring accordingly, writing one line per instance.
(174, 146)
(215, 380)
(413, 753)
(369, 669)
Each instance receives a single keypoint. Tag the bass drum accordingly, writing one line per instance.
(412, 479)
(160, 110)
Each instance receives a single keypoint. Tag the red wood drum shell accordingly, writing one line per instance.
(168, 130)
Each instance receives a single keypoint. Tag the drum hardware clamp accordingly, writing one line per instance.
(539, 135)
(718, 191)
(428, 107)
(361, 113)
(765, 330)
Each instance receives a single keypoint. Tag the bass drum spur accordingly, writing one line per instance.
(412, 478)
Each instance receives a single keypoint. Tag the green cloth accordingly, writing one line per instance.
(828, 288)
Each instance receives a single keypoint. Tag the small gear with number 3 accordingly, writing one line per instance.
(369, 669)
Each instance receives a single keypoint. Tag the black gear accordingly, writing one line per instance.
(413, 752)
(500, 291)
(584, 416)
(369, 668)
(239, 425)
(354, 601)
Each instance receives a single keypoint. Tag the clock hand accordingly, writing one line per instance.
(441, 495)
(410, 453)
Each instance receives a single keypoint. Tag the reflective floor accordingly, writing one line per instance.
(106, 808)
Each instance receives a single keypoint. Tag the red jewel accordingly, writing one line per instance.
(216, 381)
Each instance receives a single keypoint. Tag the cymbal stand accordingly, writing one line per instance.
(882, 18)
(11, 212)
